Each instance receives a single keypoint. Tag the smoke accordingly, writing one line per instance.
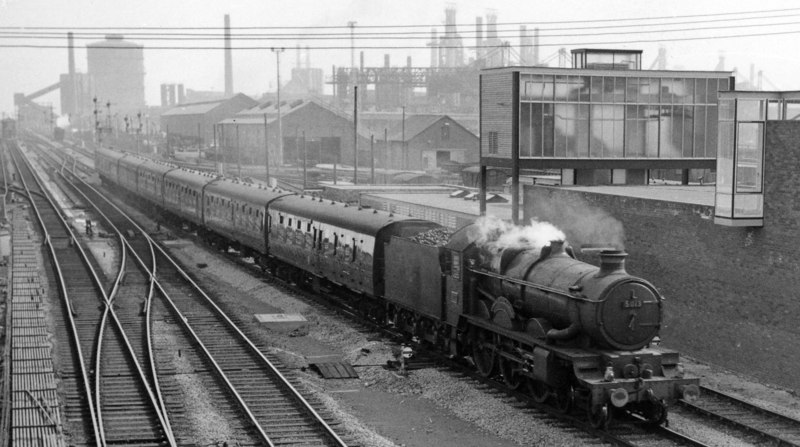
(586, 224)
(501, 234)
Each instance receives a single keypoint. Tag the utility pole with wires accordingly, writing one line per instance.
(279, 155)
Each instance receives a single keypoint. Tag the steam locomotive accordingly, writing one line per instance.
(570, 333)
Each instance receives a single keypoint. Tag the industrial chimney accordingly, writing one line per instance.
(228, 58)
(478, 38)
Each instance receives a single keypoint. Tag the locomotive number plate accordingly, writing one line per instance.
(632, 304)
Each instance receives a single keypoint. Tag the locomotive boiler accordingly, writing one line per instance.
(563, 299)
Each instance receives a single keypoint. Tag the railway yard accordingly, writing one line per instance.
(177, 357)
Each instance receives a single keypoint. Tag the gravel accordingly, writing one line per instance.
(467, 413)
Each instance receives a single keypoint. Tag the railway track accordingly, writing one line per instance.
(757, 425)
(252, 382)
(754, 422)
(107, 399)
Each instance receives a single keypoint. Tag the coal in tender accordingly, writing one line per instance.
(437, 237)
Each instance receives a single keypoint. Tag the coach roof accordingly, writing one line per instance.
(366, 221)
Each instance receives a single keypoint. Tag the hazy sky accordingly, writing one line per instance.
(772, 45)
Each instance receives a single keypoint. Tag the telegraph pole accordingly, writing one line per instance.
(278, 52)
(266, 148)
(403, 143)
(305, 161)
(355, 136)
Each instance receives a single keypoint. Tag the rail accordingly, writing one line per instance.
(108, 311)
(329, 431)
(63, 290)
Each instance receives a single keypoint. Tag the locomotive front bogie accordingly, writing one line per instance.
(644, 381)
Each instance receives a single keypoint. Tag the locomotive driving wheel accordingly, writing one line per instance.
(510, 376)
(565, 399)
(483, 353)
(538, 390)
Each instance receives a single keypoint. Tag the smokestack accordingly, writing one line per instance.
(434, 48)
(164, 96)
(478, 38)
(525, 46)
(612, 261)
(228, 58)
(536, 46)
(297, 57)
(386, 60)
(71, 54)
(408, 61)
(752, 76)
(181, 95)
(491, 25)
(72, 102)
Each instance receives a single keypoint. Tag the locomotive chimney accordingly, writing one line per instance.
(612, 261)
(556, 247)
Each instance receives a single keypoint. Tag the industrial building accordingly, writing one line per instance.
(192, 124)
(422, 142)
(116, 67)
(328, 134)
(395, 141)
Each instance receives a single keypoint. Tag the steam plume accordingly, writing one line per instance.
(501, 234)
(586, 223)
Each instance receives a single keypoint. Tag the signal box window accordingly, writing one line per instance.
(492, 140)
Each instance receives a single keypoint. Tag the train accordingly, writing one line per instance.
(8, 128)
(564, 331)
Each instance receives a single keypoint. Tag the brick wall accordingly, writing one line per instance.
(731, 293)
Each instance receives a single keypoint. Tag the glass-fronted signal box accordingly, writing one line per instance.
(743, 117)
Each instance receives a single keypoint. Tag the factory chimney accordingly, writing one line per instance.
(71, 54)
(228, 58)
(525, 46)
(491, 25)
(536, 46)
(478, 38)
(73, 103)
(450, 40)
(434, 48)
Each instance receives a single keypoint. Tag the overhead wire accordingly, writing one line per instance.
(347, 27)
(372, 36)
(360, 34)
(418, 47)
